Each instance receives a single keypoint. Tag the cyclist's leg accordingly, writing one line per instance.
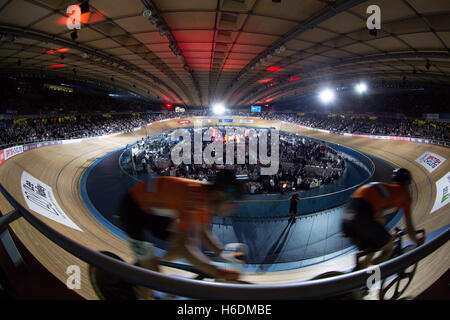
(183, 246)
(145, 258)
(366, 261)
(357, 225)
(133, 222)
(379, 239)
(386, 252)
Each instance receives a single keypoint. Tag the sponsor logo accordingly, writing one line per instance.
(442, 192)
(184, 121)
(225, 120)
(202, 120)
(11, 152)
(430, 161)
(40, 198)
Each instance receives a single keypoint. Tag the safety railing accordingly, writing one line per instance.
(206, 290)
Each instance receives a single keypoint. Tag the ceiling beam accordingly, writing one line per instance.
(162, 24)
(323, 15)
(39, 36)
(308, 73)
(305, 85)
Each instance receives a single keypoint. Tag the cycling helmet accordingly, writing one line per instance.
(225, 181)
(401, 176)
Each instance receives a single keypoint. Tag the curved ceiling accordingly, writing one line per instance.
(199, 51)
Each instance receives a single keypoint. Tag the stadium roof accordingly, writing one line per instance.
(196, 52)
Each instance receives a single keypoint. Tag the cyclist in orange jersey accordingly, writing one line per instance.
(178, 211)
(365, 216)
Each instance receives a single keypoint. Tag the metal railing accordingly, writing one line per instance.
(207, 290)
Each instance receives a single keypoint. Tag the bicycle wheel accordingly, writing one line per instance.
(392, 288)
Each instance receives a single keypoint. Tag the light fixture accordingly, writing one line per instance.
(153, 20)
(147, 13)
(218, 108)
(361, 88)
(327, 95)
(274, 69)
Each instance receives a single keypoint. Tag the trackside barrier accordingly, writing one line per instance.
(206, 290)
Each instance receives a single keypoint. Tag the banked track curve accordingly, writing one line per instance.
(61, 167)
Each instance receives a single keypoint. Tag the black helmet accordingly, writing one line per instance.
(225, 181)
(401, 176)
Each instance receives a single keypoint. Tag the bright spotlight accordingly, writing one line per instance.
(326, 95)
(218, 108)
(361, 88)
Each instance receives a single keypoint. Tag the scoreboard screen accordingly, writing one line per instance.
(255, 108)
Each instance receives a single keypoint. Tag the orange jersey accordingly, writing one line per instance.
(178, 198)
(385, 199)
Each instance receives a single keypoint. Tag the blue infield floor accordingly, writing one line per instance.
(274, 244)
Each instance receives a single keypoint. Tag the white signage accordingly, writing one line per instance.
(202, 120)
(430, 161)
(11, 152)
(39, 198)
(442, 192)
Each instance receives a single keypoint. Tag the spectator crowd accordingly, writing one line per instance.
(303, 163)
(27, 130)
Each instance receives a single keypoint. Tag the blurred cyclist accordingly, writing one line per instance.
(365, 216)
(178, 211)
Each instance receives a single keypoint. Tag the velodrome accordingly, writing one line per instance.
(62, 166)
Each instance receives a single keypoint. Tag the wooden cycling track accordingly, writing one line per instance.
(61, 167)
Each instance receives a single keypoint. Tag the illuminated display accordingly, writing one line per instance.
(56, 65)
(58, 88)
(61, 50)
(255, 108)
(274, 69)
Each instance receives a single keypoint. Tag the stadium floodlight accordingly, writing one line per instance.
(218, 108)
(361, 88)
(327, 95)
